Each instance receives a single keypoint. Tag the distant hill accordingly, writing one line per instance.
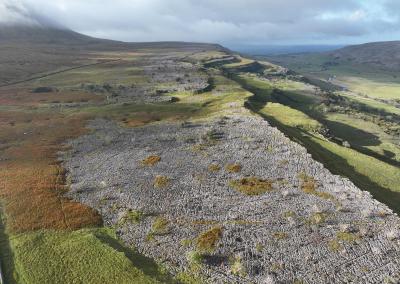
(26, 51)
(271, 50)
(370, 60)
(41, 35)
(385, 55)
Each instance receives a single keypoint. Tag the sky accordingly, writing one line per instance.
(228, 22)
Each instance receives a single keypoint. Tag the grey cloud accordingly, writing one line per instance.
(14, 12)
(223, 21)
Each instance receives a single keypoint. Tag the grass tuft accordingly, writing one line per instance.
(237, 267)
(208, 240)
(233, 168)
(195, 257)
(151, 160)
(161, 181)
(334, 245)
(280, 235)
(252, 185)
(347, 237)
(214, 168)
(259, 247)
(132, 216)
(289, 214)
(160, 226)
(309, 186)
(317, 218)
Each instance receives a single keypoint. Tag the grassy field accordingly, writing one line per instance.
(372, 88)
(117, 72)
(226, 97)
(83, 256)
(364, 134)
(369, 173)
(390, 109)
(352, 126)
(291, 117)
(242, 62)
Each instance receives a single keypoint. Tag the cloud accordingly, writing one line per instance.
(19, 12)
(222, 21)
(15, 12)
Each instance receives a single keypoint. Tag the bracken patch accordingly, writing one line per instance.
(32, 181)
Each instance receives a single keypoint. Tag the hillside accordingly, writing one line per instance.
(30, 51)
(43, 35)
(382, 55)
(185, 163)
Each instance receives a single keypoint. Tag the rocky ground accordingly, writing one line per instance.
(160, 74)
(234, 200)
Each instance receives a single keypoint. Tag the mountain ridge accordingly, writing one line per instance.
(384, 54)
